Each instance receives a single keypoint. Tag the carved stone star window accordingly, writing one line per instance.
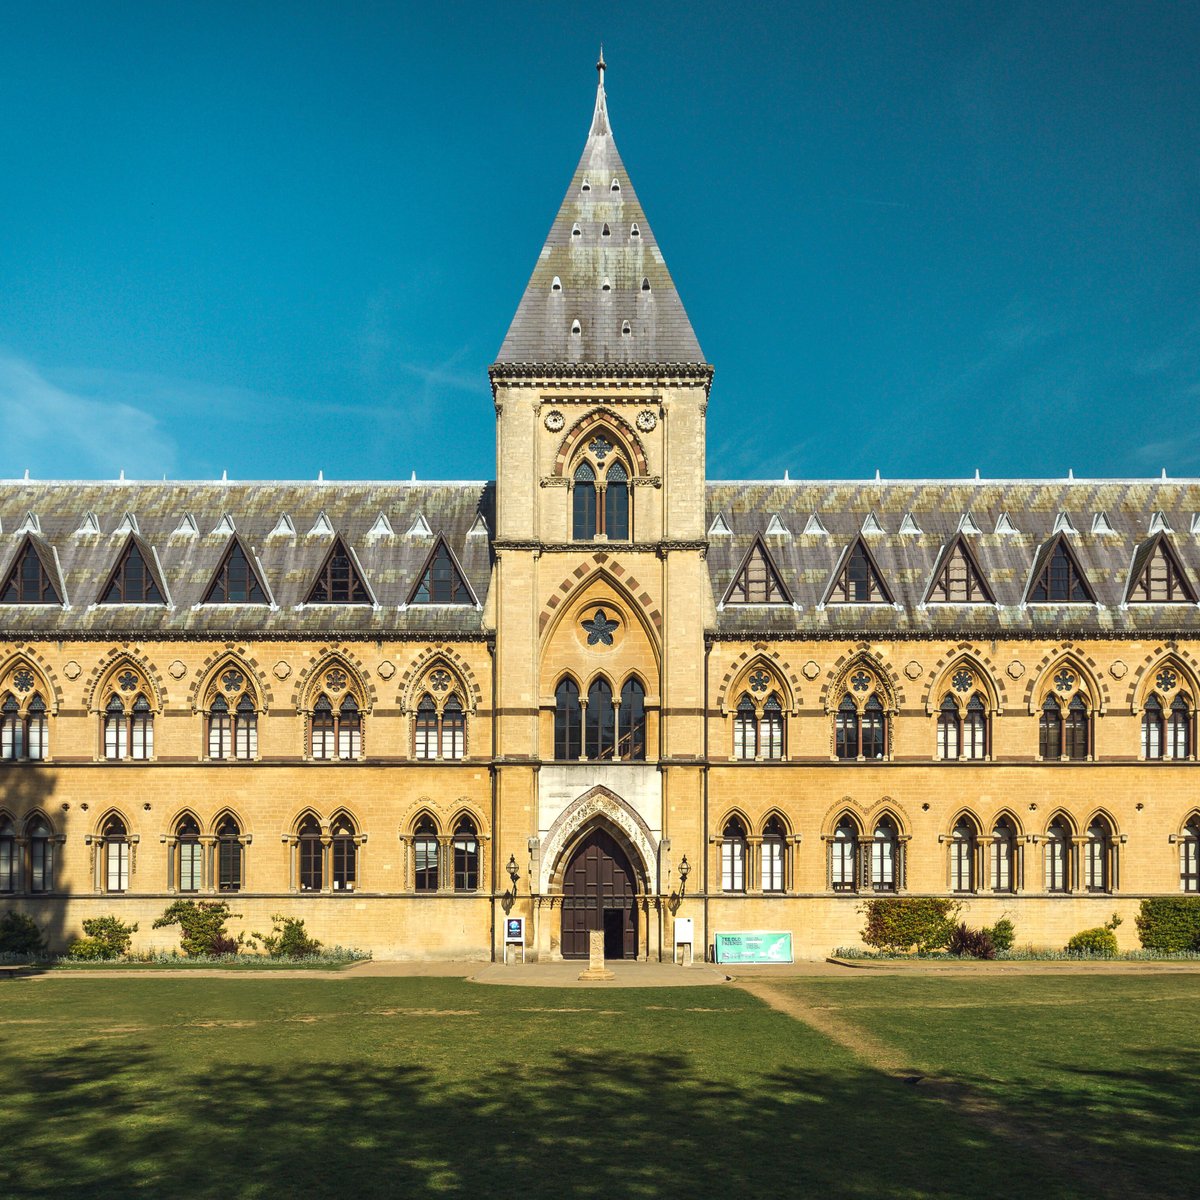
(23, 680)
(759, 681)
(600, 629)
(232, 681)
(335, 681)
(439, 681)
(1064, 681)
(601, 447)
(962, 681)
(1166, 680)
(128, 681)
(860, 681)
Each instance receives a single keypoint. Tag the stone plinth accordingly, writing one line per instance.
(596, 968)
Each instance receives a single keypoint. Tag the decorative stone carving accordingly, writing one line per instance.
(1118, 670)
(281, 669)
(596, 803)
(1015, 669)
(646, 420)
(913, 670)
(811, 670)
(177, 670)
(386, 669)
(72, 670)
(555, 420)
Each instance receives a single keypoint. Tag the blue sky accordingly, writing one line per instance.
(277, 239)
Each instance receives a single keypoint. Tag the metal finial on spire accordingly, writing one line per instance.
(600, 64)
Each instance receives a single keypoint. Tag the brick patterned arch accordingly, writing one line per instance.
(234, 654)
(326, 657)
(108, 665)
(455, 663)
(967, 654)
(862, 655)
(621, 580)
(591, 423)
(846, 806)
(760, 653)
(1067, 655)
(24, 655)
(1141, 678)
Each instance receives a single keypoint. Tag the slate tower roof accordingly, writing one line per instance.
(600, 292)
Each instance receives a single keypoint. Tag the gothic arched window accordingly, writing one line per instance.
(188, 855)
(631, 722)
(616, 503)
(426, 729)
(311, 851)
(745, 729)
(774, 856)
(770, 738)
(115, 845)
(10, 872)
(733, 857)
(1152, 728)
(425, 856)
(600, 721)
(336, 734)
(846, 728)
(843, 857)
(37, 740)
(141, 730)
(12, 729)
(962, 857)
(41, 854)
(568, 722)
(874, 739)
(344, 847)
(976, 742)
(885, 857)
(1003, 852)
(949, 729)
(1099, 851)
(220, 729)
(349, 729)
(1180, 726)
(583, 503)
(466, 856)
(1189, 856)
(229, 856)
(1050, 729)
(454, 729)
(1058, 857)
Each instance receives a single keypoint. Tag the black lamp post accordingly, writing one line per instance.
(514, 872)
(685, 870)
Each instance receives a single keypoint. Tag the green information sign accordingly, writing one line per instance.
(756, 946)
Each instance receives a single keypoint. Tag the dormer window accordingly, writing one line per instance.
(576, 231)
(585, 186)
(615, 186)
(634, 231)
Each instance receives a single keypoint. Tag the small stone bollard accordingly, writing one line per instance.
(596, 968)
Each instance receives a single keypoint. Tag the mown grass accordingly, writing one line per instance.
(329, 1086)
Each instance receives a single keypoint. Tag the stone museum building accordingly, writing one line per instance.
(601, 691)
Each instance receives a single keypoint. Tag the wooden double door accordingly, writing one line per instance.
(599, 893)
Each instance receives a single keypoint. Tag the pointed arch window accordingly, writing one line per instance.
(631, 722)
(616, 503)
(116, 729)
(1002, 857)
(859, 581)
(232, 717)
(963, 733)
(1065, 733)
(454, 729)
(1161, 578)
(774, 856)
(425, 856)
(344, 851)
(229, 856)
(128, 732)
(962, 857)
(1058, 857)
(220, 729)
(771, 728)
(336, 734)
(583, 503)
(873, 731)
(949, 729)
(1189, 857)
(1153, 726)
(745, 729)
(349, 721)
(886, 871)
(426, 728)
(115, 838)
(23, 735)
(12, 729)
(843, 857)
(324, 742)
(600, 722)
(733, 857)
(1077, 730)
(10, 871)
(466, 856)
(960, 580)
(188, 857)
(847, 728)
(1180, 729)
(141, 730)
(1099, 851)
(440, 734)
(311, 850)
(568, 722)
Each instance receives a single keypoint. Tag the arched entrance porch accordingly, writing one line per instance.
(599, 893)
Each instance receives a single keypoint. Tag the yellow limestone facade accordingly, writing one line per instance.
(652, 697)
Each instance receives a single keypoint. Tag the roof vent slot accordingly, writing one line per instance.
(606, 286)
(576, 231)
(556, 284)
(606, 232)
(615, 186)
(634, 231)
(576, 328)
(645, 284)
(626, 331)
(585, 186)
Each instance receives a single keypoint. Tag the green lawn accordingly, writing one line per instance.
(329, 1086)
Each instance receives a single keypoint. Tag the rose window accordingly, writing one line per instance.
(128, 681)
(439, 680)
(1064, 681)
(963, 681)
(600, 629)
(860, 681)
(23, 680)
(1167, 680)
(335, 681)
(232, 681)
(759, 681)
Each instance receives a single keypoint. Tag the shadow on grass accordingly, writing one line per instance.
(108, 1120)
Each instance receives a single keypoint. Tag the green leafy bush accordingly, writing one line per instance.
(1101, 942)
(922, 923)
(971, 943)
(201, 926)
(19, 934)
(288, 939)
(1003, 934)
(104, 938)
(1170, 924)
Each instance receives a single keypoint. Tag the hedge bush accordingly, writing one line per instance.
(1101, 942)
(1003, 934)
(920, 923)
(1170, 924)
(971, 943)
(201, 926)
(104, 938)
(19, 934)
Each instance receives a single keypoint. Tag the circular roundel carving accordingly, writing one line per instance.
(555, 420)
(646, 420)
(72, 670)
(386, 669)
(811, 670)
(177, 670)
(1118, 670)
(282, 670)
(1015, 669)
(913, 670)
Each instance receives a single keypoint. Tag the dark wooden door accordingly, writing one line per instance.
(599, 893)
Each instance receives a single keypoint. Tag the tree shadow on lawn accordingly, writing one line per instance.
(116, 1120)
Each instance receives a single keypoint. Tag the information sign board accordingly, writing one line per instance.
(514, 930)
(684, 931)
(753, 946)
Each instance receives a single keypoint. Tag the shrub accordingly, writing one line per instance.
(1170, 924)
(19, 934)
(201, 925)
(1003, 934)
(224, 946)
(922, 923)
(1101, 942)
(971, 943)
(288, 939)
(104, 938)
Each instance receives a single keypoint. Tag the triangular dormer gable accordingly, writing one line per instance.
(871, 525)
(340, 579)
(479, 528)
(32, 576)
(90, 526)
(909, 525)
(224, 527)
(1102, 526)
(858, 579)
(757, 579)
(1157, 576)
(283, 527)
(127, 524)
(321, 526)
(419, 528)
(237, 579)
(958, 578)
(1158, 523)
(135, 577)
(814, 528)
(1005, 526)
(1062, 524)
(719, 527)
(967, 524)
(1057, 576)
(442, 579)
(187, 527)
(381, 528)
(776, 528)
(31, 524)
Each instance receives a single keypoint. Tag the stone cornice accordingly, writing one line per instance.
(659, 548)
(596, 374)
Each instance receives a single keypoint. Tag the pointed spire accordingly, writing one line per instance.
(600, 126)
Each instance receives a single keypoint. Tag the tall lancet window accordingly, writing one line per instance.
(583, 503)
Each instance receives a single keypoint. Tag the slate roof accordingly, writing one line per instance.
(659, 330)
(287, 563)
(806, 562)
